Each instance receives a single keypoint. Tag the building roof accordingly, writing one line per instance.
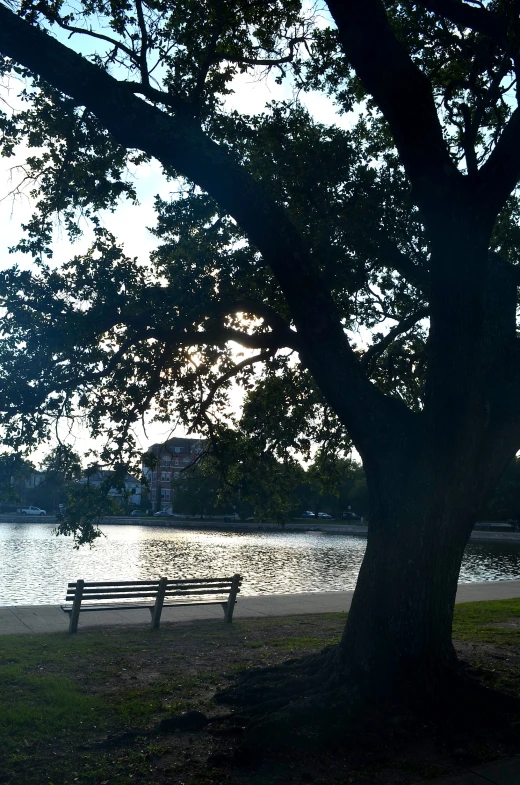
(103, 474)
(183, 442)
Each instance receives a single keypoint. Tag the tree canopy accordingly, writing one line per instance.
(294, 232)
(111, 336)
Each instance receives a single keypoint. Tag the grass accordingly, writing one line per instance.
(475, 621)
(60, 692)
(41, 706)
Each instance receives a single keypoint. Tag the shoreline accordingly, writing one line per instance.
(244, 527)
(327, 528)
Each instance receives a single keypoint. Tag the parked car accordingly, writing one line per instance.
(324, 515)
(307, 514)
(351, 516)
(136, 514)
(32, 511)
(162, 514)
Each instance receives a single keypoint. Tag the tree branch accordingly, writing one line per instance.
(267, 61)
(230, 374)
(498, 177)
(395, 259)
(501, 172)
(175, 102)
(92, 34)
(143, 65)
(219, 336)
(262, 311)
(404, 95)
(480, 20)
(206, 64)
(377, 349)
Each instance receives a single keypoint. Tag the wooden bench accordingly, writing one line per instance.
(107, 596)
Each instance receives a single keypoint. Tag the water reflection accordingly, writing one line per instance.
(35, 566)
(490, 561)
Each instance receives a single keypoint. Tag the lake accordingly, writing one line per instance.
(35, 566)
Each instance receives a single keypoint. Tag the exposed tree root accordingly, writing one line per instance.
(310, 703)
(264, 689)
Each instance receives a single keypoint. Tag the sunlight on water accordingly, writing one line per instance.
(35, 566)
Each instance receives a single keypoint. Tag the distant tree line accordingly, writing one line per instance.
(270, 490)
(250, 484)
(55, 484)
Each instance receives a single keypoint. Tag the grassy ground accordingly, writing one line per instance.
(67, 701)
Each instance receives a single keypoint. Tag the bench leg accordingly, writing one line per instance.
(159, 601)
(76, 606)
(230, 605)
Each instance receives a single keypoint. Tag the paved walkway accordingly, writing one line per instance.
(17, 619)
(50, 618)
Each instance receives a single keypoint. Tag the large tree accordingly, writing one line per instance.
(286, 236)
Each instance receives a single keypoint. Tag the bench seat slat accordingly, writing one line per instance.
(116, 593)
(128, 607)
(126, 596)
(144, 590)
(153, 582)
(179, 585)
(172, 581)
(137, 592)
(140, 606)
(196, 591)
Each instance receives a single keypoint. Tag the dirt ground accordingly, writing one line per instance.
(143, 678)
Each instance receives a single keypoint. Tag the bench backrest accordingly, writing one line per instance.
(123, 590)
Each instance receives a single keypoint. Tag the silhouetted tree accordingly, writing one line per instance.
(284, 237)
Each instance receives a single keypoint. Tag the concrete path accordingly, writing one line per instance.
(16, 619)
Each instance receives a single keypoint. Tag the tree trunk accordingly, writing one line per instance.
(428, 483)
(398, 630)
(399, 626)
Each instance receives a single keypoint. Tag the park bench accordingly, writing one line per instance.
(166, 593)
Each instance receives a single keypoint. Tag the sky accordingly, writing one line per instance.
(130, 223)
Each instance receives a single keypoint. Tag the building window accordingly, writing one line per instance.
(176, 462)
(165, 494)
(185, 461)
(175, 475)
(177, 449)
(165, 476)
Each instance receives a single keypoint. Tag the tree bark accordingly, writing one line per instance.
(398, 630)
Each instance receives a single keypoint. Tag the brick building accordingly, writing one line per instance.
(171, 458)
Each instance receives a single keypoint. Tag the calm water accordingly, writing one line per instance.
(35, 566)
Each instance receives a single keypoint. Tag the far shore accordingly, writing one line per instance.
(319, 525)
